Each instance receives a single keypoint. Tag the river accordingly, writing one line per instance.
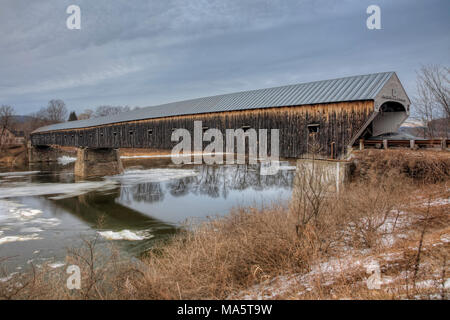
(45, 210)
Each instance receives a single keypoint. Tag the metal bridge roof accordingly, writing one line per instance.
(363, 87)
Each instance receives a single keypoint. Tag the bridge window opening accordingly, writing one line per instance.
(205, 128)
(150, 132)
(392, 106)
(131, 133)
(313, 128)
(101, 134)
(115, 133)
(246, 128)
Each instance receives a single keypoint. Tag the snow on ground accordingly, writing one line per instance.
(331, 271)
(356, 262)
(438, 202)
(445, 238)
(8, 277)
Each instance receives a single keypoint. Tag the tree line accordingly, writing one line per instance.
(55, 112)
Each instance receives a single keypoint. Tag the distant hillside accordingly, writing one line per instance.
(22, 119)
(441, 127)
(413, 123)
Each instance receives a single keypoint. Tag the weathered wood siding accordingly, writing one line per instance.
(338, 122)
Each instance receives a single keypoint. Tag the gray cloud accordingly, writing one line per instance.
(150, 52)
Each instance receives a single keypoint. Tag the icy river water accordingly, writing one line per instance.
(44, 210)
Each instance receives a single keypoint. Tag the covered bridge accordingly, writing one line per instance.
(335, 113)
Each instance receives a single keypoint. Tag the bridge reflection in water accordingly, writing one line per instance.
(212, 190)
(151, 200)
(161, 207)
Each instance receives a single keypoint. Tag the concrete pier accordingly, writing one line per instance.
(324, 174)
(41, 154)
(97, 162)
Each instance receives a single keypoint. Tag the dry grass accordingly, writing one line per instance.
(424, 166)
(13, 155)
(317, 247)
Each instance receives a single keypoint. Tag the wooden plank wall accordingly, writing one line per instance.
(338, 122)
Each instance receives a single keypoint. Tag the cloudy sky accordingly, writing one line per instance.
(143, 53)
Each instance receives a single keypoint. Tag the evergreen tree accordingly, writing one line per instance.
(73, 116)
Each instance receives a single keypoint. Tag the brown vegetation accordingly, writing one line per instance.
(427, 166)
(432, 102)
(14, 156)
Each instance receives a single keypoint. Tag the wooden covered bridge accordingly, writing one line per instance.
(335, 113)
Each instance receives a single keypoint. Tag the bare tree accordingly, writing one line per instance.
(106, 110)
(56, 110)
(102, 111)
(6, 120)
(433, 99)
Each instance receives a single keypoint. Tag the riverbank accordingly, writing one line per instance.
(387, 226)
(13, 156)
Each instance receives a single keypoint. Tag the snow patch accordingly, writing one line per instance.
(445, 238)
(24, 213)
(438, 202)
(66, 160)
(52, 222)
(56, 265)
(18, 173)
(8, 277)
(9, 239)
(125, 235)
(31, 230)
(135, 176)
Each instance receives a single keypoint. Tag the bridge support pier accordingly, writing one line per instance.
(39, 154)
(97, 162)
